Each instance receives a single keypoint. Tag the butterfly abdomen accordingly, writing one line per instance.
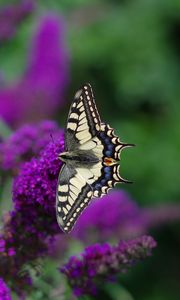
(79, 157)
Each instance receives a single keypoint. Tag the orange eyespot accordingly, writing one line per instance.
(108, 161)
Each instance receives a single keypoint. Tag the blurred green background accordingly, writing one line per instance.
(129, 50)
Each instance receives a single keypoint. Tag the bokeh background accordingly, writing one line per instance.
(130, 53)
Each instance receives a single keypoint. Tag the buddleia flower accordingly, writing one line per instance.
(102, 262)
(25, 143)
(41, 90)
(32, 222)
(113, 216)
(118, 216)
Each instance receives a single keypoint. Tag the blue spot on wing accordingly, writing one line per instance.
(107, 140)
(102, 135)
(103, 181)
(97, 186)
(107, 169)
(108, 176)
(110, 147)
(108, 153)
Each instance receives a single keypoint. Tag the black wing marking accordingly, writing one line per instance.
(73, 195)
(109, 149)
(108, 179)
(83, 121)
(112, 146)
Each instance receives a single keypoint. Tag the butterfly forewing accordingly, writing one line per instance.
(83, 120)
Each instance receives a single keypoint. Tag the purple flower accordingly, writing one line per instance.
(4, 291)
(12, 15)
(32, 223)
(41, 90)
(48, 60)
(100, 263)
(27, 142)
(115, 215)
(36, 183)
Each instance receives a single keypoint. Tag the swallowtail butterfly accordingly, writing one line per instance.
(91, 159)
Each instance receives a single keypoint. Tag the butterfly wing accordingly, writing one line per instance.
(110, 170)
(73, 195)
(83, 120)
(86, 134)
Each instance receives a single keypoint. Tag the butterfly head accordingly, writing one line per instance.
(63, 156)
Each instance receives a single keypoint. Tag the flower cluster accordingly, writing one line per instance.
(27, 142)
(103, 262)
(115, 215)
(32, 223)
(41, 90)
(12, 15)
(37, 181)
(4, 291)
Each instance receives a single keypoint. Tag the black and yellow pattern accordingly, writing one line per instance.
(91, 159)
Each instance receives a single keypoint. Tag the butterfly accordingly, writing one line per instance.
(90, 161)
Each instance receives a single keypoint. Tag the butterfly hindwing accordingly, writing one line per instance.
(73, 195)
(83, 120)
(112, 146)
(111, 150)
(109, 177)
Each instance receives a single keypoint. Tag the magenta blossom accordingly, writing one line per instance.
(41, 90)
(32, 222)
(100, 263)
(27, 142)
(115, 215)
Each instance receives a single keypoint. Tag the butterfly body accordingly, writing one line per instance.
(91, 159)
(81, 157)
